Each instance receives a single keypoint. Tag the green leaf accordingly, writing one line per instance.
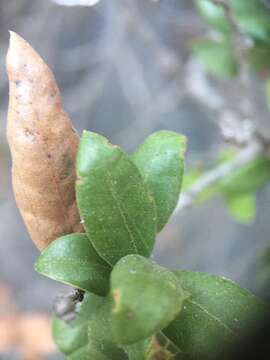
(241, 207)
(87, 353)
(118, 212)
(68, 338)
(73, 337)
(217, 57)
(214, 15)
(89, 335)
(252, 17)
(246, 7)
(147, 297)
(216, 315)
(256, 27)
(72, 260)
(160, 160)
(156, 347)
(87, 308)
(100, 333)
(248, 178)
(259, 57)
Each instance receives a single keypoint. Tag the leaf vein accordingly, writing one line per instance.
(212, 316)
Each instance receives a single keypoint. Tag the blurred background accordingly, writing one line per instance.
(125, 70)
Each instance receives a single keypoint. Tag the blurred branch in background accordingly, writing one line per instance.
(211, 177)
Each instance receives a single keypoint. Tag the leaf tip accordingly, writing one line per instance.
(16, 50)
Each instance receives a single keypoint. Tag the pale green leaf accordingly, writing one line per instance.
(241, 207)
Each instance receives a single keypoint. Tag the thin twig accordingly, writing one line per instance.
(245, 156)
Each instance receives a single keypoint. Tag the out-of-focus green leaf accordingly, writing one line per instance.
(116, 207)
(73, 337)
(147, 297)
(160, 160)
(214, 15)
(216, 315)
(242, 207)
(238, 188)
(248, 178)
(190, 177)
(246, 7)
(89, 335)
(252, 17)
(256, 27)
(193, 175)
(259, 57)
(73, 260)
(217, 57)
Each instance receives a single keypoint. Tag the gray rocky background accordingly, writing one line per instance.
(123, 69)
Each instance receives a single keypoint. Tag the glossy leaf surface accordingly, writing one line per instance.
(73, 260)
(118, 212)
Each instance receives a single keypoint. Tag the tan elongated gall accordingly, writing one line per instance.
(43, 146)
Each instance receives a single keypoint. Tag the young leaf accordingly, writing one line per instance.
(43, 146)
(160, 160)
(241, 207)
(216, 315)
(147, 297)
(118, 212)
(217, 57)
(73, 260)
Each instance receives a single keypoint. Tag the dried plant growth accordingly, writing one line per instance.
(43, 145)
